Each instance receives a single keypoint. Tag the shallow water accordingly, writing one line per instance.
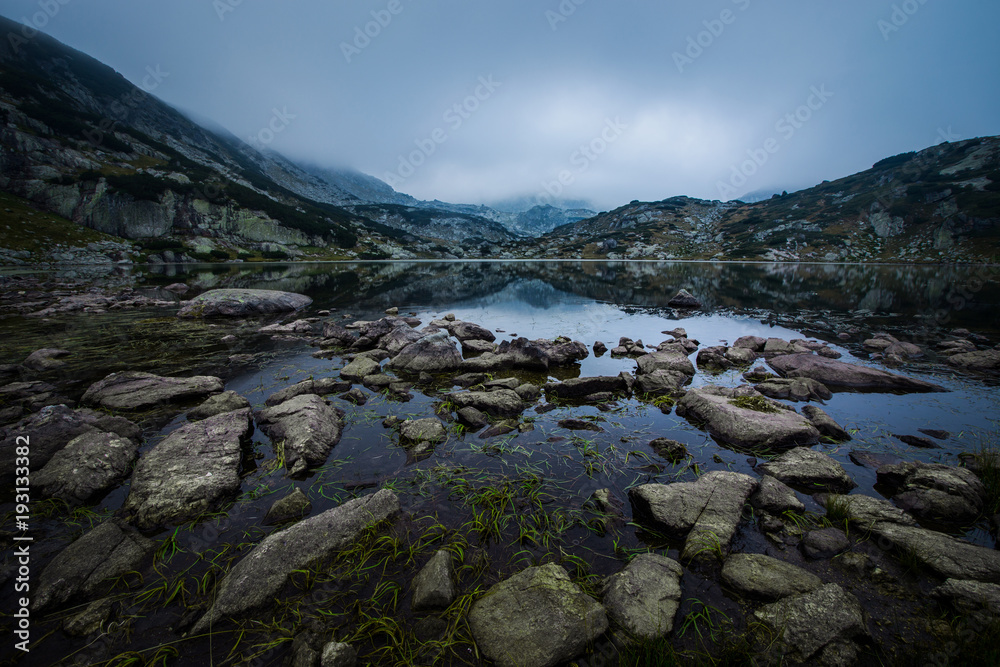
(586, 301)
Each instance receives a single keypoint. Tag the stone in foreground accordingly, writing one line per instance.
(308, 427)
(131, 390)
(242, 303)
(947, 556)
(643, 598)
(807, 469)
(189, 472)
(765, 578)
(86, 467)
(256, 579)
(537, 618)
(434, 585)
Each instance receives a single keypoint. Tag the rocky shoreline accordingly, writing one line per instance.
(813, 588)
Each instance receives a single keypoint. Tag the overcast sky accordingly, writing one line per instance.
(667, 97)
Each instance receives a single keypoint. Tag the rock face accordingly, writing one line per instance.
(309, 428)
(841, 375)
(744, 427)
(933, 492)
(807, 469)
(86, 467)
(227, 401)
(805, 627)
(765, 578)
(131, 390)
(243, 303)
(434, 585)
(643, 598)
(433, 353)
(256, 579)
(105, 552)
(190, 471)
(706, 511)
(948, 557)
(537, 618)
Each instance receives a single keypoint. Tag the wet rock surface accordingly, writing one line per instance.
(762, 577)
(243, 303)
(132, 390)
(88, 466)
(935, 492)
(845, 376)
(808, 469)
(307, 427)
(643, 598)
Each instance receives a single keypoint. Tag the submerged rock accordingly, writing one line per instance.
(256, 579)
(189, 472)
(671, 450)
(537, 618)
(308, 427)
(423, 430)
(644, 596)
(242, 303)
(808, 469)
(131, 390)
(842, 375)
(45, 359)
(87, 466)
(293, 506)
(762, 577)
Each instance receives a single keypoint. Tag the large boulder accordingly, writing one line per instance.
(537, 618)
(808, 469)
(841, 375)
(470, 331)
(948, 557)
(643, 598)
(242, 303)
(432, 353)
(722, 411)
(670, 360)
(766, 578)
(583, 387)
(706, 511)
(191, 471)
(684, 299)
(660, 382)
(105, 552)
(934, 492)
(256, 579)
(132, 390)
(308, 428)
(86, 467)
(540, 355)
(499, 403)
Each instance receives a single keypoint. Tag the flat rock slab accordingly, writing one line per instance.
(802, 626)
(706, 511)
(934, 492)
(808, 470)
(764, 578)
(320, 387)
(87, 466)
(242, 303)
(744, 427)
(865, 510)
(643, 598)
(256, 579)
(582, 387)
(189, 472)
(307, 427)
(842, 375)
(537, 618)
(106, 551)
(948, 557)
(131, 390)
(499, 403)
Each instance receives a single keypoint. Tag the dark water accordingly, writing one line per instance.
(587, 301)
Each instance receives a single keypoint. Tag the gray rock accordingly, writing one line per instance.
(950, 558)
(776, 346)
(473, 347)
(842, 375)
(338, 654)
(917, 441)
(293, 506)
(643, 598)
(465, 331)
(671, 450)
(433, 353)
(935, 492)
(581, 387)
(684, 299)
(865, 510)
(227, 401)
(765, 578)
(398, 338)
(472, 418)
(90, 619)
(86, 467)
(706, 511)
(500, 403)
(983, 360)
(744, 427)
(969, 597)
(600, 349)
(537, 618)
(242, 303)
(665, 361)
(808, 469)
(802, 626)
(256, 579)
(189, 472)
(360, 368)
(45, 359)
(320, 387)
(661, 382)
(528, 392)
(434, 586)
(355, 396)
(825, 543)
(754, 343)
(423, 430)
(579, 425)
(714, 359)
(107, 551)
(309, 428)
(775, 497)
(795, 389)
(741, 356)
(825, 424)
(131, 390)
